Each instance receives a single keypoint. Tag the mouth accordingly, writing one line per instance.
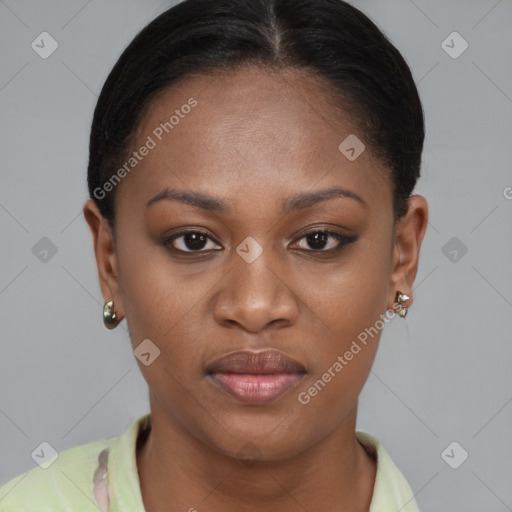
(255, 377)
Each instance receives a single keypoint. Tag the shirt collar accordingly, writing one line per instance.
(391, 489)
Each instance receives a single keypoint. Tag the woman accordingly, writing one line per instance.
(251, 174)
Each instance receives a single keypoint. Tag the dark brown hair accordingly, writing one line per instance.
(330, 38)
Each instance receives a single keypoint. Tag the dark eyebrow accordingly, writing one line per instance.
(214, 204)
(197, 199)
(307, 199)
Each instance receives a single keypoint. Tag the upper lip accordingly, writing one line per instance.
(244, 361)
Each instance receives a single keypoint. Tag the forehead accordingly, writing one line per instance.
(248, 129)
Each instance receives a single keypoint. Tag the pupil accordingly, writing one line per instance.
(317, 238)
(195, 240)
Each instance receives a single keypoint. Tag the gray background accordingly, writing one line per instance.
(441, 376)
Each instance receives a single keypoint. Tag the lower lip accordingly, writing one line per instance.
(256, 388)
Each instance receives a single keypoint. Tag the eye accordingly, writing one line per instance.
(192, 240)
(323, 240)
(197, 241)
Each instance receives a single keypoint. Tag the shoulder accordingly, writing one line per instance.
(65, 484)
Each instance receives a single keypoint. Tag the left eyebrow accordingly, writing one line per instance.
(215, 204)
(307, 199)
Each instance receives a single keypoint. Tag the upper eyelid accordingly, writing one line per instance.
(170, 239)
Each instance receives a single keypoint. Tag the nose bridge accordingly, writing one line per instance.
(254, 277)
(254, 293)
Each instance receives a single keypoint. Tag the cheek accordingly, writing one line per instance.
(347, 313)
(154, 294)
(158, 308)
(347, 299)
(166, 306)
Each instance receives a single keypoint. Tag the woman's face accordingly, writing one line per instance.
(248, 146)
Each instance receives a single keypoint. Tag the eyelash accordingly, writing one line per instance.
(341, 238)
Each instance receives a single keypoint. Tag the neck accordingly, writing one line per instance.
(177, 471)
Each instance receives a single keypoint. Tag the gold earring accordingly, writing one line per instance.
(109, 315)
(401, 298)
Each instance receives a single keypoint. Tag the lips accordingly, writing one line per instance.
(255, 377)
(268, 361)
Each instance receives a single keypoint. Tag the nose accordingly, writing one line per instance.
(255, 296)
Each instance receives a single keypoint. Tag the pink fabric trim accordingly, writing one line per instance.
(100, 481)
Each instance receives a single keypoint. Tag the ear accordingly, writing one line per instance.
(409, 233)
(106, 257)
